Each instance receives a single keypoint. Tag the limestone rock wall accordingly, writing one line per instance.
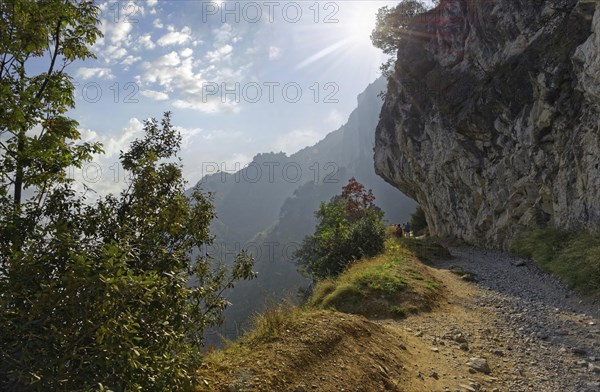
(492, 118)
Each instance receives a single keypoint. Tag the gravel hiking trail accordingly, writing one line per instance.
(505, 326)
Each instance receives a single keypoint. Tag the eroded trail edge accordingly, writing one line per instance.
(497, 323)
(505, 326)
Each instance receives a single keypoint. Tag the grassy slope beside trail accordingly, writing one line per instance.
(317, 347)
(389, 285)
(574, 257)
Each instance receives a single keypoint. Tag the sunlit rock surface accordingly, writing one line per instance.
(491, 121)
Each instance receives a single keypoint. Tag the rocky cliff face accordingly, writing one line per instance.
(491, 120)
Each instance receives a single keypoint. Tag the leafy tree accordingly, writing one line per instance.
(350, 227)
(34, 130)
(357, 199)
(391, 28)
(100, 296)
(418, 222)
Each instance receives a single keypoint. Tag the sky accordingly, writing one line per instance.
(240, 78)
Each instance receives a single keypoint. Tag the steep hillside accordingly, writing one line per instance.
(491, 120)
(268, 206)
(313, 348)
(497, 323)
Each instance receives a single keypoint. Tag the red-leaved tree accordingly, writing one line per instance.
(357, 199)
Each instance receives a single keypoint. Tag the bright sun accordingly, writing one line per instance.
(358, 19)
(348, 38)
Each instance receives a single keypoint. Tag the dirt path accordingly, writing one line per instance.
(533, 332)
(501, 326)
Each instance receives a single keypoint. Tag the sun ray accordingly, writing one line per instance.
(324, 52)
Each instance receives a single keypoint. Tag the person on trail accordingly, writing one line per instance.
(398, 230)
(407, 230)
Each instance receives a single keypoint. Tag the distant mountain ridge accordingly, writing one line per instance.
(268, 206)
(255, 200)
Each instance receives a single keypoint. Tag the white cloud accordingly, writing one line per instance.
(104, 174)
(157, 23)
(113, 144)
(151, 3)
(194, 167)
(183, 76)
(117, 32)
(296, 140)
(131, 60)
(87, 135)
(207, 105)
(191, 86)
(227, 74)
(223, 38)
(175, 37)
(186, 135)
(113, 53)
(169, 71)
(335, 119)
(169, 60)
(221, 135)
(225, 35)
(98, 44)
(274, 52)
(146, 41)
(187, 52)
(220, 54)
(95, 72)
(174, 74)
(243, 160)
(155, 95)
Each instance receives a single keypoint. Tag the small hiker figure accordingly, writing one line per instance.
(407, 230)
(398, 230)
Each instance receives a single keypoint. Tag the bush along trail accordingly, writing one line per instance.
(476, 321)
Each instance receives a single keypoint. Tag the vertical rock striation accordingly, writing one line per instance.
(491, 119)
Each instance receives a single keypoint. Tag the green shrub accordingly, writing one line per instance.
(368, 236)
(540, 245)
(418, 222)
(579, 263)
(322, 290)
(269, 324)
(391, 28)
(350, 227)
(574, 257)
(398, 311)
